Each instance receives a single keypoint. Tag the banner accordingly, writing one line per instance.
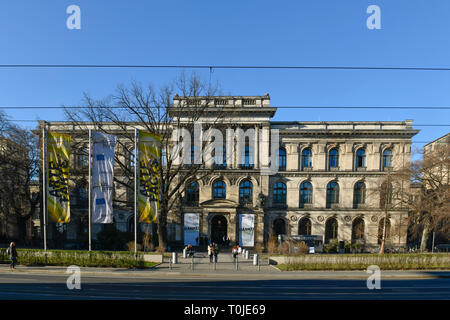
(191, 228)
(58, 157)
(103, 148)
(246, 230)
(148, 176)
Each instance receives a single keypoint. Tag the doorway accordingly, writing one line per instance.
(219, 227)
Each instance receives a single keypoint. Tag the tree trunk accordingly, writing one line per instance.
(425, 235)
(162, 227)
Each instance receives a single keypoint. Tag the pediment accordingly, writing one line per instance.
(223, 203)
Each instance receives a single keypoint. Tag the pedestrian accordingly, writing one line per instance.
(210, 253)
(239, 249)
(216, 252)
(234, 251)
(12, 255)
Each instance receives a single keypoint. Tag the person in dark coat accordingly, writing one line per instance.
(215, 251)
(12, 255)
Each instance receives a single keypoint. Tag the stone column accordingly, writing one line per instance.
(319, 156)
(230, 148)
(232, 227)
(292, 161)
(256, 156)
(264, 146)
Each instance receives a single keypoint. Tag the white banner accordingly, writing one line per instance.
(103, 147)
(246, 230)
(191, 228)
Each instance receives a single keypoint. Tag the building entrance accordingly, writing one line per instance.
(219, 228)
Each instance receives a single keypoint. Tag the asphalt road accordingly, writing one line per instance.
(31, 286)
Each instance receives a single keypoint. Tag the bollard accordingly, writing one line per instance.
(184, 253)
(174, 258)
(215, 265)
(247, 255)
(192, 263)
(255, 259)
(170, 264)
(237, 263)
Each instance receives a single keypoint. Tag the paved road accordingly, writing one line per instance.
(51, 284)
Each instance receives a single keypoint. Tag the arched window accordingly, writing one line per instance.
(281, 160)
(387, 159)
(279, 193)
(359, 194)
(357, 229)
(219, 190)
(304, 227)
(245, 192)
(332, 194)
(360, 158)
(307, 158)
(331, 230)
(333, 159)
(192, 194)
(306, 193)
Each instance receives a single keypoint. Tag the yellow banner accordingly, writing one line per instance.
(58, 157)
(148, 176)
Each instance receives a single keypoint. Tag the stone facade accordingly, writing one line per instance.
(344, 155)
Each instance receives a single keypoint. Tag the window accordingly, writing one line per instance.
(83, 157)
(222, 165)
(307, 158)
(304, 227)
(279, 193)
(305, 193)
(333, 159)
(387, 159)
(132, 158)
(331, 230)
(245, 192)
(192, 194)
(247, 158)
(386, 193)
(360, 158)
(219, 190)
(332, 193)
(359, 194)
(281, 160)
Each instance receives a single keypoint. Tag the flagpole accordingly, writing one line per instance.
(44, 191)
(135, 189)
(89, 193)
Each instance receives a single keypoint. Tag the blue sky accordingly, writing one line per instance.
(235, 32)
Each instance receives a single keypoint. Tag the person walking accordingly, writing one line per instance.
(210, 253)
(12, 255)
(216, 252)
(234, 251)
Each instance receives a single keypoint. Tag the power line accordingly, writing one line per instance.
(210, 67)
(278, 107)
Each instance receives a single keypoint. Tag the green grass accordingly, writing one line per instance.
(422, 261)
(106, 259)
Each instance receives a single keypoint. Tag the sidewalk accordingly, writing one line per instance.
(225, 268)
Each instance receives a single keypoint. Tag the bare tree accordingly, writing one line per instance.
(430, 204)
(153, 111)
(19, 165)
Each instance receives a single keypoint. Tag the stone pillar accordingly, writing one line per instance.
(319, 156)
(259, 228)
(292, 161)
(375, 164)
(264, 146)
(232, 227)
(256, 156)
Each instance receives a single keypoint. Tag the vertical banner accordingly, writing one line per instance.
(103, 149)
(148, 176)
(58, 157)
(246, 230)
(191, 228)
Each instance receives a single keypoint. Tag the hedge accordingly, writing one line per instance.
(112, 259)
